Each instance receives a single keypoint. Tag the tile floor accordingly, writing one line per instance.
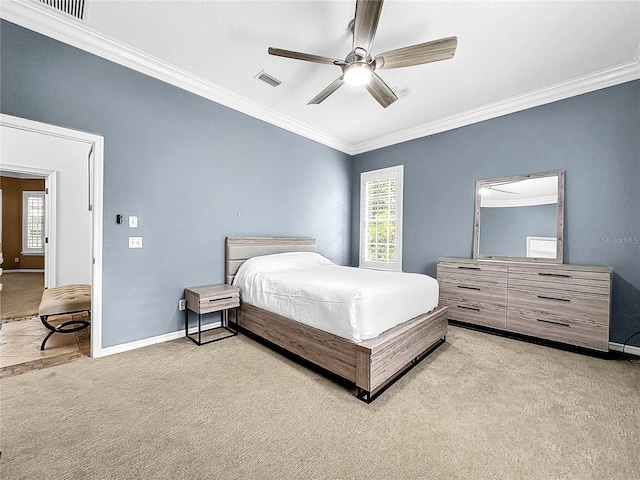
(20, 345)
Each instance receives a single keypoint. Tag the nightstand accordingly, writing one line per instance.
(208, 299)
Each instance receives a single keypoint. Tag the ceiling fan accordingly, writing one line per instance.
(358, 68)
(487, 189)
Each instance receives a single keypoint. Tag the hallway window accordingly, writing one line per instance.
(33, 223)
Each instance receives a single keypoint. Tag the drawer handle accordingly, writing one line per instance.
(554, 298)
(219, 299)
(561, 275)
(469, 308)
(553, 323)
(468, 288)
(470, 268)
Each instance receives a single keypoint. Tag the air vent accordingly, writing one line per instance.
(268, 79)
(74, 8)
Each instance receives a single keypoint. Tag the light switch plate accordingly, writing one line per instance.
(135, 242)
(133, 222)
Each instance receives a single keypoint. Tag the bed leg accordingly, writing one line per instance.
(363, 395)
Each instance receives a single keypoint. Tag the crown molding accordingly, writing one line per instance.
(73, 32)
(521, 202)
(578, 86)
(31, 15)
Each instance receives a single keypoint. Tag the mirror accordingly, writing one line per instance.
(520, 218)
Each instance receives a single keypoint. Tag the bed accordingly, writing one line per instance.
(372, 364)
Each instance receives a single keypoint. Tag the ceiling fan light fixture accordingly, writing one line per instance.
(357, 74)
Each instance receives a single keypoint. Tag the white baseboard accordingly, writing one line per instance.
(617, 347)
(145, 342)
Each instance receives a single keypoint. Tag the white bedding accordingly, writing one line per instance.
(353, 303)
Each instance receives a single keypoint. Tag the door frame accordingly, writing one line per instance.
(96, 184)
(50, 205)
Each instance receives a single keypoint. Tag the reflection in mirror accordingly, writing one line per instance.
(520, 218)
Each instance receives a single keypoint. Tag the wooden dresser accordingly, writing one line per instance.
(564, 303)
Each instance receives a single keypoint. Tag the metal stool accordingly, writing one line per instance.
(65, 300)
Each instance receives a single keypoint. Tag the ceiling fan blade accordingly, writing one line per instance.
(303, 56)
(366, 24)
(501, 191)
(427, 52)
(381, 91)
(336, 84)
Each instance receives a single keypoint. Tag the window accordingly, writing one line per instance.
(33, 223)
(381, 218)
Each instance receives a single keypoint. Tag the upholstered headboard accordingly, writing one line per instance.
(239, 249)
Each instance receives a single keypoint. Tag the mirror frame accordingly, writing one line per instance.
(559, 218)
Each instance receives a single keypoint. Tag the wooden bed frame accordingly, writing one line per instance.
(372, 365)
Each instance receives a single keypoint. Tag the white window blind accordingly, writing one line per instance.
(32, 223)
(381, 218)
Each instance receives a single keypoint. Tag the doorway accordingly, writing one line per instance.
(22, 243)
(28, 240)
(75, 264)
(23, 281)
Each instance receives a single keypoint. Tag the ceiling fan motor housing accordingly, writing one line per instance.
(358, 68)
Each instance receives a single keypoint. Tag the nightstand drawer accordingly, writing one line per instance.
(559, 329)
(212, 298)
(215, 304)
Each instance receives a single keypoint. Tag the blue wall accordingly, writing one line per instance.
(504, 230)
(594, 137)
(192, 170)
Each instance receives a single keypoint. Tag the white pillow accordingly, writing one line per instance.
(283, 261)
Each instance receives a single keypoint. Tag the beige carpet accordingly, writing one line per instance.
(21, 294)
(480, 407)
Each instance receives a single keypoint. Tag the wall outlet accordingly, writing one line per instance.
(16, 260)
(182, 304)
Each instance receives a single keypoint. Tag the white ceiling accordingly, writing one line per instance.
(511, 55)
(520, 193)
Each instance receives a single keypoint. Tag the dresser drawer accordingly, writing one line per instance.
(494, 317)
(593, 308)
(474, 292)
(568, 280)
(559, 329)
(460, 272)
